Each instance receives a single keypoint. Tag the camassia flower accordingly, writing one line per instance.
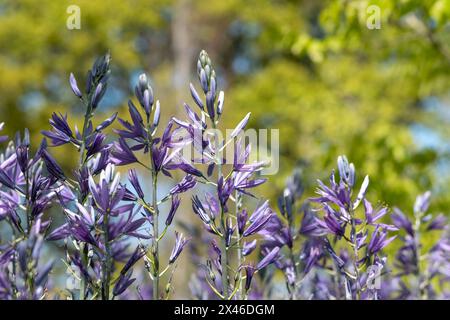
(106, 225)
(164, 156)
(341, 220)
(26, 192)
(96, 217)
(117, 232)
(180, 243)
(220, 209)
(296, 259)
(410, 260)
(29, 278)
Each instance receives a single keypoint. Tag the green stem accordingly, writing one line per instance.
(223, 244)
(224, 262)
(355, 256)
(155, 249)
(292, 288)
(27, 203)
(30, 271)
(84, 248)
(239, 244)
(106, 268)
(421, 290)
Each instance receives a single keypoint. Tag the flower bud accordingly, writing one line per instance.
(157, 115)
(74, 86)
(206, 73)
(144, 94)
(210, 105)
(196, 97)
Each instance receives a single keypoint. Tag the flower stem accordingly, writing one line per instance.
(155, 249)
(239, 243)
(292, 288)
(106, 268)
(224, 260)
(223, 218)
(421, 292)
(355, 259)
(84, 249)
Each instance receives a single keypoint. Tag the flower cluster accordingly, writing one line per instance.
(296, 257)
(163, 156)
(98, 221)
(227, 273)
(422, 271)
(363, 236)
(28, 278)
(115, 232)
(26, 192)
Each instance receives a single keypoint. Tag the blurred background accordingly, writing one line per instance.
(321, 72)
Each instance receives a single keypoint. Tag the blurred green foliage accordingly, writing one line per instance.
(311, 68)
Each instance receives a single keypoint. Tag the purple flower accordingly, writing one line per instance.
(258, 219)
(229, 230)
(173, 209)
(107, 193)
(122, 154)
(132, 176)
(106, 123)
(135, 257)
(331, 224)
(249, 272)
(224, 189)
(379, 241)
(401, 221)
(241, 125)
(249, 247)
(242, 181)
(242, 220)
(52, 166)
(98, 95)
(373, 215)
(136, 130)
(123, 283)
(310, 226)
(6, 180)
(62, 133)
(438, 223)
(198, 208)
(269, 258)
(196, 97)
(157, 115)
(422, 203)
(188, 182)
(312, 252)
(180, 243)
(74, 86)
(95, 145)
(59, 233)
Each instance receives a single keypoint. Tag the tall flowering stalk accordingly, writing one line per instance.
(163, 156)
(25, 195)
(96, 219)
(296, 258)
(423, 271)
(363, 237)
(221, 212)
